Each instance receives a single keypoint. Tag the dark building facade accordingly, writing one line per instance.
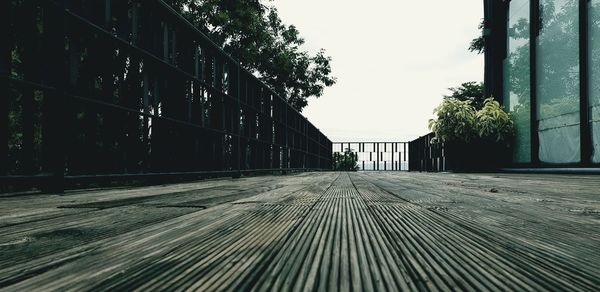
(543, 62)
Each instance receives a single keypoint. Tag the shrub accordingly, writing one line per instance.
(477, 140)
(459, 121)
(346, 161)
(493, 124)
(455, 121)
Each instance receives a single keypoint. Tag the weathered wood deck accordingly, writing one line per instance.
(326, 231)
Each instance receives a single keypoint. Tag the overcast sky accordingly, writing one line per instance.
(394, 60)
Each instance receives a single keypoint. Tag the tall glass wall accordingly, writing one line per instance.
(516, 78)
(557, 83)
(594, 66)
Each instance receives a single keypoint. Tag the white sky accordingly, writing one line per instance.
(394, 60)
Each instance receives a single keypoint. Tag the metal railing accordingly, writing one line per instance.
(114, 89)
(427, 156)
(383, 156)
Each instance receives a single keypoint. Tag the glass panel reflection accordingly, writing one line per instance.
(558, 81)
(594, 59)
(517, 80)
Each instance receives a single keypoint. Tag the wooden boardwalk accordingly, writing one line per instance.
(326, 231)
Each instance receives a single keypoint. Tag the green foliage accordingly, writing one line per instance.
(253, 33)
(477, 45)
(458, 121)
(493, 123)
(347, 161)
(455, 121)
(15, 60)
(471, 91)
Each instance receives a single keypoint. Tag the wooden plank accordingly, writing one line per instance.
(313, 231)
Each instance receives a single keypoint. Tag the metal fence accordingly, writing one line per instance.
(427, 156)
(377, 155)
(112, 89)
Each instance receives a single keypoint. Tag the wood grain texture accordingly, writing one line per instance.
(371, 231)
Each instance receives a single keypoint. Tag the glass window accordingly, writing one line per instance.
(517, 80)
(594, 66)
(557, 49)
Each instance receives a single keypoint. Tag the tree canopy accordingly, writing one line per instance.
(254, 34)
(347, 161)
(477, 45)
(468, 91)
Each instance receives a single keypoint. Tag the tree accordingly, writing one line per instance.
(477, 45)
(254, 34)
(346, 161)
(468, 91)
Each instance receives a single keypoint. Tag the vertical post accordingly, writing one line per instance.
(320, 159)
(134, 22)
(494, 33)
(203, 92)
(378, 156)
(54, 103)
(216, 113)
(224, 88)
(487, 72)
(28, 103)
(585, 133)
(107, 14)
(5, 61)
(533, 35)
(173, 55)
(286, 152)
(30, 69)
(165, 42)
(306, 153)
(238, 152)
(411, 162)
(146, 127)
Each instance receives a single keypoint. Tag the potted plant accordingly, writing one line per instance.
(495, 130)
(474, 140)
